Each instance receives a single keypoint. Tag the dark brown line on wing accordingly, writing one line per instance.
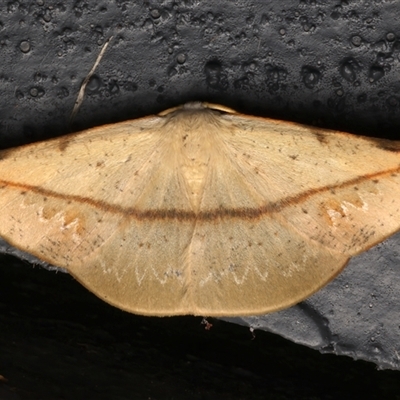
(164, 214)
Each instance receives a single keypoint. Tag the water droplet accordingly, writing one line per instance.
(243, 83)
(36, 91)
(12, 6)
(47, 16)
(309, 28)
(25, 46)
(356, 40)
(311, 76)
(172, 71)
(155, 13)
(275, 74)
(130, 86)
(375, 73)
(250, 19)
(396, 46)
(94, 84)
(252, 66)
(264, 19)
(376, 349)
(148, 25)
(113, 87)
(38, 77)
(335, 15)
(349, 68)
(380, 58)
(33, 92)
(62, 92)
(362, 98)
(392, 102)
(390, 36)
(181, 58)
(214, 76)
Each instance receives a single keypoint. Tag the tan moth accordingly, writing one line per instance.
(201, 210)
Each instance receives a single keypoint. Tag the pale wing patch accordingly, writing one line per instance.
(254, 269)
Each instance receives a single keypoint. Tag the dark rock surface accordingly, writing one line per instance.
(330, 64)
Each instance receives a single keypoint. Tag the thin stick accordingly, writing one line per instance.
(81, 93)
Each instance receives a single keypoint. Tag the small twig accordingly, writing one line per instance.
(207, 324)
(252, 331)
(81, 93)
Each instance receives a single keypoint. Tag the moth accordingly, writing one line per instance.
(201, 210)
